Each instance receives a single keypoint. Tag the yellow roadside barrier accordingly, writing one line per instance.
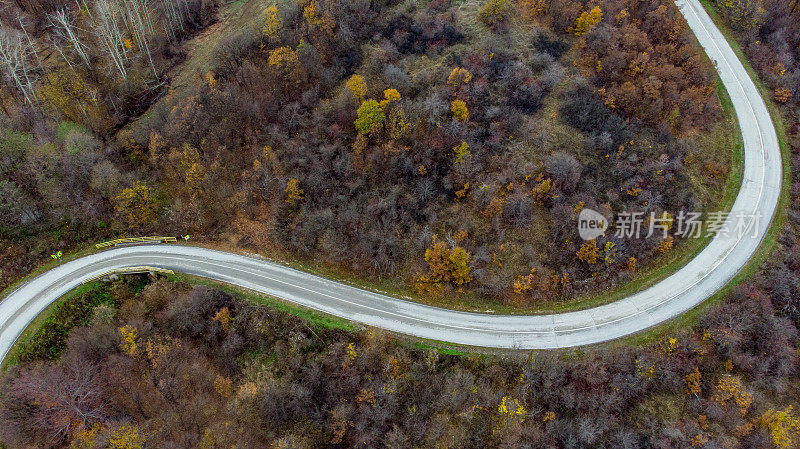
(130, 270)
(111, 243)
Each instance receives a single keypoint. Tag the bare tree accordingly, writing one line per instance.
(65, 30)
(30, 42)
(175, 12)
(118, 24)
(110, 34)
(139, 21)
(15, 63)
(47, 403)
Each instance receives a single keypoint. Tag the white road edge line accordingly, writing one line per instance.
(581, 327)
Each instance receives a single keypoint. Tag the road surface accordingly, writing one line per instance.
(709, 271)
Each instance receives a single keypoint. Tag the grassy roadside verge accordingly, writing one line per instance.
(47, 331)
(391, 287)
(236, 15)
(770, 241)
(44, 335)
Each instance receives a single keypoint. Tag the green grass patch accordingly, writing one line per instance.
(442, 347)
(444, 350)
(66, 128)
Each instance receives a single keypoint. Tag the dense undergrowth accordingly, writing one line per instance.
(447, 145)
(167, 364)
(176, 365)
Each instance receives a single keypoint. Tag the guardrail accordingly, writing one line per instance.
(130, 270)
(135, 240)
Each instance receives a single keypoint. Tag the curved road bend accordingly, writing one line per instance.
(717, 264)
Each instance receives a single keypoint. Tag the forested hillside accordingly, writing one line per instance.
(447, 144)
(769, 33)
(167, 365)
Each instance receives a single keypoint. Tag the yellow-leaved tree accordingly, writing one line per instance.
(533, 8)
(125, 437)
(272, 24)
(730, 388)
(460, 111)
(370, 117)
(461, 151)
(293, 191)
(782, 425)
(65, 91)
(587, 20)
(588, 252)
(286, 61)
(357, 86)
(389, 96)
(459, 76)
(493, 12)
(458, 265)
(445, 265)
(136, 206)
(742, 14)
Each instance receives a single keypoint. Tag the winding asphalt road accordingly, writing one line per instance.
(715, 266)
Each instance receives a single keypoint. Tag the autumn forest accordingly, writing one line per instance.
(440, 150)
